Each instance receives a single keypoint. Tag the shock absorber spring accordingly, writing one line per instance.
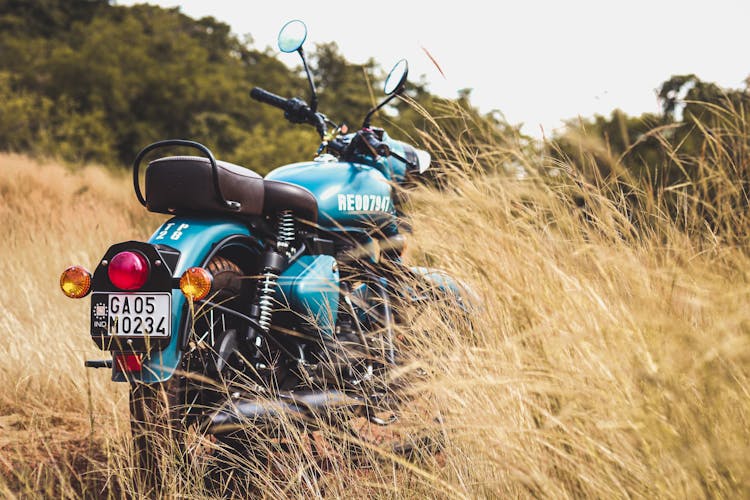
(265, 299)
(273, 263)
(285, 231)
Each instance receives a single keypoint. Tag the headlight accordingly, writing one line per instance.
(424, 159)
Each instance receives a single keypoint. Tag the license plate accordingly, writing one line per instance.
(132, 314)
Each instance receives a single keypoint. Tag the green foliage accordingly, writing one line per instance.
(87, 81)
(694, 156)
(344, 87)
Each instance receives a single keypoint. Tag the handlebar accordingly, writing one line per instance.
(269, 98)
(295, 110)
(367, 141)
(376, 147)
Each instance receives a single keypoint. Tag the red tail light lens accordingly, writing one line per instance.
(128, 270)
(129, 363)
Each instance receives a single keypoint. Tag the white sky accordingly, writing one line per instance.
(537, 61)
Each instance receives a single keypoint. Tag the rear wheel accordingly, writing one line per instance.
(165, 417)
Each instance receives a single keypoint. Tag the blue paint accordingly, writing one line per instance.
(310, 288)
(194, 242)
(348, 194)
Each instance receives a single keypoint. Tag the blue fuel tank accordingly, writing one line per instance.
(349, 194)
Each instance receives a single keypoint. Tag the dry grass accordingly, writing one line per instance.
(606, 361)
(55, 416)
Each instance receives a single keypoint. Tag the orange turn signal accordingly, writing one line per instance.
(75, 282)
(195, 283)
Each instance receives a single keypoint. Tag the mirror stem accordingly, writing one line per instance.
(374, 110)
(314, 97)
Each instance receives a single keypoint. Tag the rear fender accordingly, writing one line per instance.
(196, 239)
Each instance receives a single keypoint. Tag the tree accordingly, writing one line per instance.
(695, 152)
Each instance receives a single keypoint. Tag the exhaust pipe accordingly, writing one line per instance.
(302, 406)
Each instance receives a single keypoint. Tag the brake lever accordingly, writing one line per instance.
(376, 147)
(408, 163)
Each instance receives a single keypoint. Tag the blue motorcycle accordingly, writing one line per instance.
(262, 296)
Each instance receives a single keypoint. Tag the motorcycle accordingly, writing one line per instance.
(262, 297)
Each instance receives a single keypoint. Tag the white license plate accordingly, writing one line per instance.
(136, 314)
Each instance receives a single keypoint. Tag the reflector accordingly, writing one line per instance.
(128, 270)
(195, 283)
(129, 362)
(75, 282)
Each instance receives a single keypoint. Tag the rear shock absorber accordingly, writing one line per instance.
(273, 263)
(285, 232)
(265, 298)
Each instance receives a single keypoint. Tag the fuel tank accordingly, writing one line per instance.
(348, 194)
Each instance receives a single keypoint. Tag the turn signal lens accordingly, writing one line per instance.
(196, 283)
(128, 270)
(75, 282)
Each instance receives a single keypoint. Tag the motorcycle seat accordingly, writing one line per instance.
(280, 195)
(184, 185)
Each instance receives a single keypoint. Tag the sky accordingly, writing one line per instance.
(538, 62)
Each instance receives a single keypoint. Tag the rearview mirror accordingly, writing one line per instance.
(396, 79)
(292, 36)
(394, 84)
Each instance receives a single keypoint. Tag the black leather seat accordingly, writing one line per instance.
(281, 195)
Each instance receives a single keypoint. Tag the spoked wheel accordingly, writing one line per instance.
(391, 421)
(373, 316)
(365, 347)
(165, 418)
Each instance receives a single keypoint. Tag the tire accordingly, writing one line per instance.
(162, 415)
(369, 349)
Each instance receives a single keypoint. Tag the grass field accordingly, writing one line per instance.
(607, 360)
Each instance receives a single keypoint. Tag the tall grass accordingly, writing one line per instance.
(609, 356)
(56, 417)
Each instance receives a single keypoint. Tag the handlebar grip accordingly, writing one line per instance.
(267, 97)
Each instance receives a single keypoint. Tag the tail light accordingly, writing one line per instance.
(75, 282)
(128, 270)
(129, 363)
